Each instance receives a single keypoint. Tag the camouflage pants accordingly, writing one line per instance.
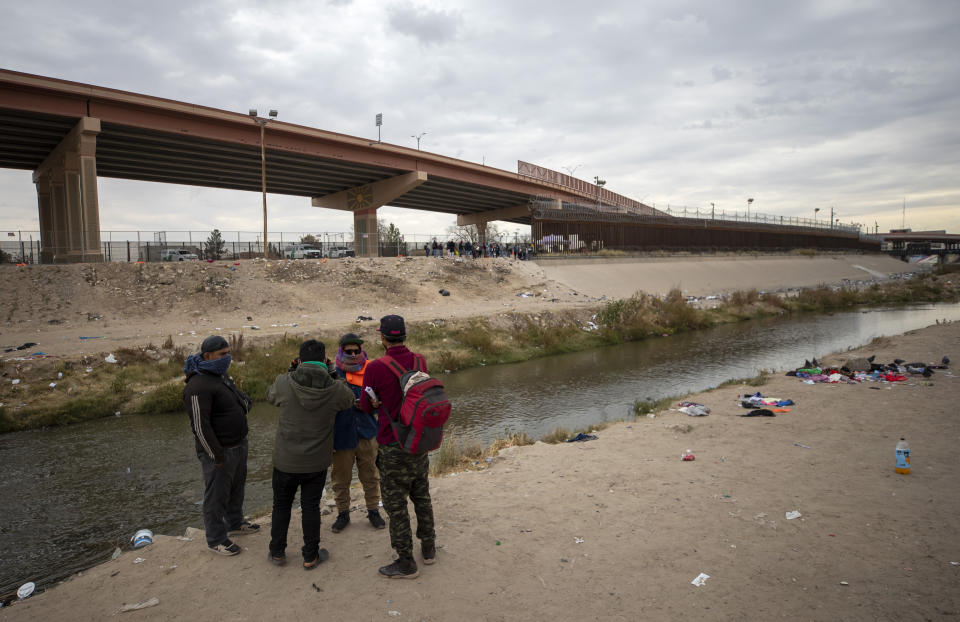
(405, 475)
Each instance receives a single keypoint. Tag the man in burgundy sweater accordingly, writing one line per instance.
(402, 475)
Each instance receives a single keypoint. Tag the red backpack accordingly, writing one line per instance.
(424, 407)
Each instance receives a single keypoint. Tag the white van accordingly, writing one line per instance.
(301, 251)
(338, 252)
(177, 254)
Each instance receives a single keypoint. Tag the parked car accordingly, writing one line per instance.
(177, 254)
(340, 251)
(302, 251)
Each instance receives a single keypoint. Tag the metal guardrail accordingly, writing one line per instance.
(611, 211)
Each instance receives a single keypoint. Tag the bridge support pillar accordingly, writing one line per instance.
(69, 210)
(482, 233)
(364, 201)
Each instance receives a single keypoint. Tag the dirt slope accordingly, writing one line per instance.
(72, 309)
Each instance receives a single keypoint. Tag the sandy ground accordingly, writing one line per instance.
(70, 310)
(870, 544)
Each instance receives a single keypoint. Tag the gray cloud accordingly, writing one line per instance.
(427, 25)
(720, 73)
(684, 102)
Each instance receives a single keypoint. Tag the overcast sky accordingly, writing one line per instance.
(798, 105)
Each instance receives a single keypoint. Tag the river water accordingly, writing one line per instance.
(71, 495)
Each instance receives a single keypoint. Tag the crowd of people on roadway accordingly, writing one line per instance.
(476, 251)
(333, 414)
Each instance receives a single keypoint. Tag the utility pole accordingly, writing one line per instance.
(263, 168)
(600, 184)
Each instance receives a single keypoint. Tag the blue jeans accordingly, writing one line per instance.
(284, 490)
(223, 492)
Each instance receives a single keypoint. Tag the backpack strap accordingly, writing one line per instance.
(393, 365)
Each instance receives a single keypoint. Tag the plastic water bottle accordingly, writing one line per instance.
(903, 457)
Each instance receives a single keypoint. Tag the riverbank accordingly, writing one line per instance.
(49, 389)
(616, 529)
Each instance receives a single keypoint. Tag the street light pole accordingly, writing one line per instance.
(815, 210)
(749, 201)
(263, 169)
(418, 137)
(600, 184)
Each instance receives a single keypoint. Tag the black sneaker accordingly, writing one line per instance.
(375, 519)
(244, 529)
(403, 568)
(225, 548)
(429, 552)
(343, 519)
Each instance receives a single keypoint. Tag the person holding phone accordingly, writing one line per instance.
(354, 441)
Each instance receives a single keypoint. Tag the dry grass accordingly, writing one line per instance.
(744, 298)
(756, 381)
(560, 435)
(642, 408)
(454, 455)
(237, 350)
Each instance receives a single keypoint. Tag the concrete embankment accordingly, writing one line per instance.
(620, 277)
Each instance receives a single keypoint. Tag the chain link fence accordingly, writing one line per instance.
(158, 246)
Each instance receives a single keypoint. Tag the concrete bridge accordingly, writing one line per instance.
(69, 133)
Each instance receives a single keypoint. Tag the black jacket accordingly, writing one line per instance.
(218, 412)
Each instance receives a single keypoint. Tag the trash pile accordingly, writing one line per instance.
(763, 406)
(693, 409)
(860, 369)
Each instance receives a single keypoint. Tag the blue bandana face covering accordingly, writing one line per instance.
(195, 362)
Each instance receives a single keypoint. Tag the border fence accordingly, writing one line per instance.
(150, 246)
(581, 229)
(573, 229)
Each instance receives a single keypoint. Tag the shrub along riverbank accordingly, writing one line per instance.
(149, 379)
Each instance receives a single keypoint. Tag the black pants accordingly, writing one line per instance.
(223, 492)
(284, 490)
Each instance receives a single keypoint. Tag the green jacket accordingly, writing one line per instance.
(309, 400)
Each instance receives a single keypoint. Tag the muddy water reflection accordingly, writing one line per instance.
(70, 495)
(586, 387)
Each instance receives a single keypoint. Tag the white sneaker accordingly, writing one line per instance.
(226, 548)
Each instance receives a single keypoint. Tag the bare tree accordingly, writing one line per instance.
(470, 233)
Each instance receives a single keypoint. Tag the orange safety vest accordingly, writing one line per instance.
(356, 377)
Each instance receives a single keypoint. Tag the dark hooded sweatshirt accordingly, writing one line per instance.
(309, 400)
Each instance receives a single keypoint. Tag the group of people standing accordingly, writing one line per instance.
(333, 414)
(468, 249)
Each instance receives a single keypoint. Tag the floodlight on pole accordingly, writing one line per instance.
(749, 202)
(600, 184)
(263, 167)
